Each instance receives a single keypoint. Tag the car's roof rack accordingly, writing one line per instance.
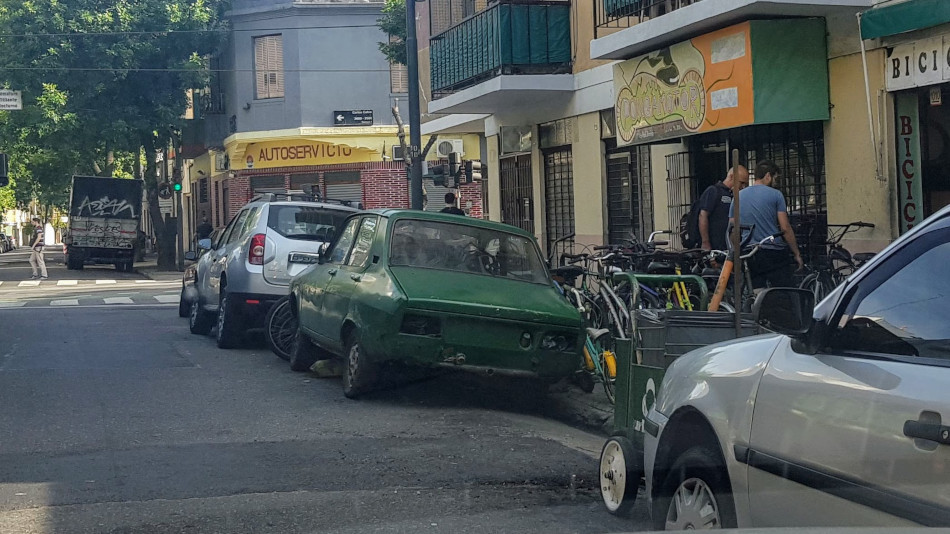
(305, 195)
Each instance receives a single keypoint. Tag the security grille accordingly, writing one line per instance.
(435, 195)
(297, 181)
(680, 186)
(270, 182)
(629, 194)
(517, 191)
(344, 185)
(558, 200)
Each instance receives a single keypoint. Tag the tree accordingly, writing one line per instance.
(122, 69)
(393, 24)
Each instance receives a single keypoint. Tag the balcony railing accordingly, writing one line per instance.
(615, 14)
(509, 37)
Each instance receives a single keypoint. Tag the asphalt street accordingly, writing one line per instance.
(116, 419)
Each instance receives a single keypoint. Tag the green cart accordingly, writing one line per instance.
(658, 338)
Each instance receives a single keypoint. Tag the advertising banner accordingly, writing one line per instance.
(274, 154)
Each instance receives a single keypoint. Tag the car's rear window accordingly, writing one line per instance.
(466, 249)
(312, 223)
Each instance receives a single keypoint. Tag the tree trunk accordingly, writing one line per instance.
(164, 233)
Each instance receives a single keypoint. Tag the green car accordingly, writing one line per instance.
(433, 289)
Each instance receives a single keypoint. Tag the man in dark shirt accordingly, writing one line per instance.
(204, 229)
(714, 207)
(450, 206)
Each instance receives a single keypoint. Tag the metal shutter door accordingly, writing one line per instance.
(352, 191)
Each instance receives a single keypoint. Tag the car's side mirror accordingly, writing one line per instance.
(785, 310)
(322, 253)
(191, 255)
(204, 244)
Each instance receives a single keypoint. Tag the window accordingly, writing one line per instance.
(269, 66)
(900, 314)
(203, 190)
(398, 78)
(237, 228)
(250, 222)
(305, 222)
(517, 192)
(364, 242)
(559, 199)
(225, 234)
(342, 246)
(217, 203)
(466, 249)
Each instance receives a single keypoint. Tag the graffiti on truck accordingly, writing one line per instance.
(105, 207)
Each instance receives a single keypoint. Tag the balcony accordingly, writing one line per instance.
(510, 37)
(615, 14)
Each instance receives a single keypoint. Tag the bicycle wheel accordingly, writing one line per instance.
(607, 361)
(819, 284)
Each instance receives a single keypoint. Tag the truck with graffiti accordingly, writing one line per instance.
(104, 218)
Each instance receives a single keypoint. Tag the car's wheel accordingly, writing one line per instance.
(619, 475)
(280, 328)
(229, 322)
(184, 307)
(696, 493)
(303, 354)
(359, 372)
(199, 321)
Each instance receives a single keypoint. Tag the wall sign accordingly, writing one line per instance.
(10, 100)
(909, 189)
(918, 64)
(295, 153)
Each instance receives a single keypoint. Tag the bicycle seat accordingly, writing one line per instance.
(661, 267)
(841, 255)
(596, 333)
(862, 257)
(567, 272)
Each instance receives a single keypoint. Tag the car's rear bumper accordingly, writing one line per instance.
(253, 307)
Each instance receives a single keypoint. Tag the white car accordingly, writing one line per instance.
(843, 420)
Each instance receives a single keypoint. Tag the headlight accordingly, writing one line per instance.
(556, 341)
(190, 275)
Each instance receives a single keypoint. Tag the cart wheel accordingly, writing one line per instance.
(585, 381)
(619, 475)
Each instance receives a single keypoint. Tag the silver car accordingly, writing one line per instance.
(844, 420)
(249, 264)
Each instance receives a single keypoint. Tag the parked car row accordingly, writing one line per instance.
(6, 243)
(381, 290)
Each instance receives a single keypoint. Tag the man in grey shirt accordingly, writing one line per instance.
(764, 206)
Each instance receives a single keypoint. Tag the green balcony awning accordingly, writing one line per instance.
(904, 17)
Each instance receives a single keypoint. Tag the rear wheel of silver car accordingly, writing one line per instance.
(696, 494)
(199, 321)
(280, 328)
(229, 322)
(619, 475)
(184, 307)
(303, 354)
(358, 374)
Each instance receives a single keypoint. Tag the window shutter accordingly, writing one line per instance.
(269, 66)
(398, 78)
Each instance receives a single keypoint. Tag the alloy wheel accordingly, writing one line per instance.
(693, 507)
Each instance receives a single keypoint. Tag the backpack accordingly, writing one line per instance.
(689, 227)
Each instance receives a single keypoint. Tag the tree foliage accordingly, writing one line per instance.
(101, 79)
(393, 24)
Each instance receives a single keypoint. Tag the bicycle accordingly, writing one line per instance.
(748, 294)
(838, 265)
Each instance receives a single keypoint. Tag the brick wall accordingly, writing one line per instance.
(239, 192)
(385, 188)
(471, 192)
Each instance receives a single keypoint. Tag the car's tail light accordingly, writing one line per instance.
(256, 255)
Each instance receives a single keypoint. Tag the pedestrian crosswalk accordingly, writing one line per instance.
(164, 299)
(35, 283)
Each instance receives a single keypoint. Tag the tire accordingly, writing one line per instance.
(72, 263)
(698, 482)
(358, 372)
(199, 321)
(620, 472)
(303, 354)
(280, 329)
(184, 307)
(229, 323)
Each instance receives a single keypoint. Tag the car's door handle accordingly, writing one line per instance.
(356, 277)
(331, 272)
(927, 431)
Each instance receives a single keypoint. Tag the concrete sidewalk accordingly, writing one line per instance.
(149, 269)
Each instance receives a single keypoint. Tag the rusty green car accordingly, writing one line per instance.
(433, 290)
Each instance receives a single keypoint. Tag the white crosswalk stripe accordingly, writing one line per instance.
(145, 281)
(117, 300)
(64, 302)
(29, 283)
(102, 282)
(168, 299)
(8, 304)
(67, 282)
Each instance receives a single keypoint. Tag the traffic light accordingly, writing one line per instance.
(177, 186)
(438, 173)
(474, 171)
(4, 170)
(455, 164)
(176, 180)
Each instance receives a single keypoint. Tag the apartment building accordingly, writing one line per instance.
(606, 117)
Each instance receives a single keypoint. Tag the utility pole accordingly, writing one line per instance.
(415, 136)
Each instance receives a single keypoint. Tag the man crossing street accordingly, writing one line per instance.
(36, 251)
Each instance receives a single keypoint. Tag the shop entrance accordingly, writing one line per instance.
(935, 148)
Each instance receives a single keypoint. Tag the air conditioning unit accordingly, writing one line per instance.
(397, 153)
(221, 161)
(444, 147)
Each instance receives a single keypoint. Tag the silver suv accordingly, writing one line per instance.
(250, 263)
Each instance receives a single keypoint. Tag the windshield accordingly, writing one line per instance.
(312, 223)
(466, 249)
